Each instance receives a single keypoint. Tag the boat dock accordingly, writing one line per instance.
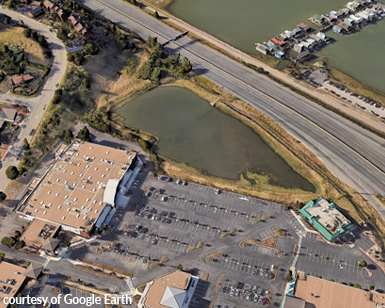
(304, 40)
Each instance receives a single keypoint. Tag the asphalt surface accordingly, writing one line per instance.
(351, 153)
(225, 211)
(38, 103)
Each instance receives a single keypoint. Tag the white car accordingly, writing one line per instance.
(244, 199)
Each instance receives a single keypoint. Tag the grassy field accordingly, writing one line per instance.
(14, 35)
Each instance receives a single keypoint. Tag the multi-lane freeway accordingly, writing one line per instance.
(38, 103)
(350, 152)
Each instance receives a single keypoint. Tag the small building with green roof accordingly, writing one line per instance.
(326, 218)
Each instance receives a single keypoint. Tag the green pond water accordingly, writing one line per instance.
(242, 23)
(192, 131)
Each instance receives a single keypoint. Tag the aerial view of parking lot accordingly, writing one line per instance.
(245, 250)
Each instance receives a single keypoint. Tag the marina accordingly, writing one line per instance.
(305, 40)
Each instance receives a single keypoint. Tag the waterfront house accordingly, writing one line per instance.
(298, 47)
(279, 43)
(320, 38)
(337, 29)
(279, 54)
(320, 20)
(303, 55)
(304, 27)
(270, 46)
(346, 28)
(352, 6)
(333, 15)
(296, 33)
(286, 34)
(261, 48)
(356, 20)
(349, 21)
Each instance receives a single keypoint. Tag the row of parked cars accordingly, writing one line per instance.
(249, 292)
(365, 100)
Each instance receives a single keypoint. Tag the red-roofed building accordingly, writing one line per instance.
(279, 43)
(17, 79)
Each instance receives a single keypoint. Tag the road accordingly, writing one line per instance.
(350, 152)
(38, 103)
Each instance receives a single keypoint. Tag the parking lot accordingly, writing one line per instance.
(245, 292)
(254, 267)
(166, 217)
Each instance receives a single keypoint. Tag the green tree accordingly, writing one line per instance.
(84, 134)
(26, 144)
(10, 4)
(12, 172)
(152, 41)
(3, 196)
(357, 286)
(186, 66)
(145, 145)
(68, 135)
(19, 244)
(6, 19)
(180, 267)
(289, 276)
(371, 288)
(156, 15)
(8, 241)
(2, 256)
(27, 32)
(62, 32)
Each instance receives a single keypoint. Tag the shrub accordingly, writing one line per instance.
(180, 267)
(2, 256)
(362, 264)
(3, 196)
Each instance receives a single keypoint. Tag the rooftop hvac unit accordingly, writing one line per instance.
(67, 203)
(67, 187)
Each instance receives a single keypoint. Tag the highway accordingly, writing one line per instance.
(38, 103)
(350, 152)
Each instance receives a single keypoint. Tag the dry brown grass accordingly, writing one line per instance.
(13, 189)
(109, 81)
(14, 35)
(214, 255)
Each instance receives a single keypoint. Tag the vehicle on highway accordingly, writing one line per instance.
(32, 132)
